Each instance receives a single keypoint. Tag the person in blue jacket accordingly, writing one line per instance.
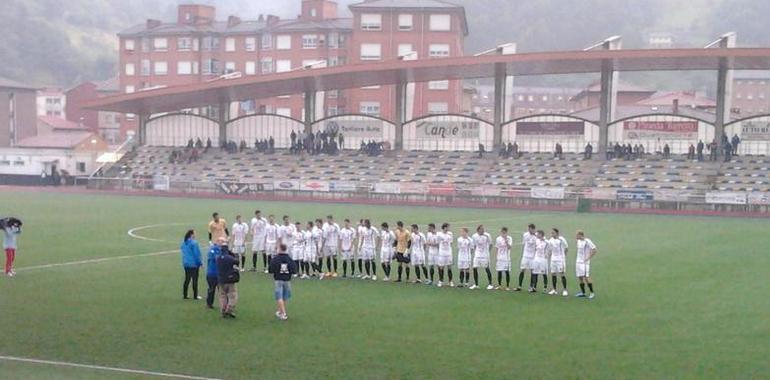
(191, 261)
(211, 273)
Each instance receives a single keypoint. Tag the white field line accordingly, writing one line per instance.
(133, 234)
(93, 261)
(103, 368)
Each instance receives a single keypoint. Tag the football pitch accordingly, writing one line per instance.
(677, 297)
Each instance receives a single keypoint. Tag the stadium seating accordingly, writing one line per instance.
(655, 172)
(744, 173)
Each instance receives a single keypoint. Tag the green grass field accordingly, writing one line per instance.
(678, 297)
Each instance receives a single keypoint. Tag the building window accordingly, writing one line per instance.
(405, 22)
(267, 41)
(739, 96)
(520, 98)
(251, 68)
(229, 67)
(160, 68)
(440, 23)
(130, 69)
(333, 40)
(283, 42)
(128, 45)
(750, 97)
(530, 98)
(438, 108)
(283, 111)
(184, 44)
(145, 45)
(230, 44)
(210, 66)
(333, 94)
(130, 89)
(371, 52)
(545, 98)
(309, 41)
(332, 111)
(438, 85)
(371, 21)
(160, 44)
(81, 167)
(282, 65)
(210, 43)
(145, 67)
(439, 51)
(267, 65)
(370, 108)
(404, 49)
(250, 44)
(761, 95)
(184, 68)
(375, 87)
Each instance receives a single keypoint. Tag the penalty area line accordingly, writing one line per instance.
(93, 261)
(104, 368)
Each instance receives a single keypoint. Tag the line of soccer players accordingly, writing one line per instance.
(318, 246)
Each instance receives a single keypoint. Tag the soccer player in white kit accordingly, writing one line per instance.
(481, 243)
(318, 240)
(387, 242)
(417, 253)
(586, 250)
(464, 247)
(286, 233)
(258, 224)
(527, 255)
(444, 259)
(271, 239)
(559, 248)
(368, 239)
(431, 241)
(540, 262)
(360, 229)
(503, 262)
(298, 247)
(238, 236)
(331, 236)
(347, 236)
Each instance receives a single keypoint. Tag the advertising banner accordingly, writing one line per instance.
(447, 130)
(726, 198)
(671, 195)
(600, 194)
(161, 182)
(678, 130)
(360, 128)
(342, 187)
(755, 130)
(550, 128)
(634, 195)
(244, 188)
(312, 185)
(413, 188)
(756, 198)
(486, 191)
(441, 189)
(547, 192)
(387, 188)
(287, 185)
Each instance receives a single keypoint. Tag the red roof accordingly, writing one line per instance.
(685, 99)
(57, 140)
(62, 124)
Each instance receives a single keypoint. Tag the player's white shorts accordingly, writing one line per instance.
(258, 244)
(417, 258)
(238, 249)
(330, 251)
(347, 254)
(526, 263)
(558, 266)
(463, 264)
(270, 248)
(366, 253)
(432, 258)
(311, 256)
(540, 266)
(386, 256)
(297, 253)
(481, 261)
(503, 265)
(444, 260)
(583, 269)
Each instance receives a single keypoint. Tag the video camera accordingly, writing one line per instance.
(10, 222)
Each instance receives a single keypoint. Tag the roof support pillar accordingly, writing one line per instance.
(724, 92)
(309, 111)
(605, 108)
(224, 116)
(500, 82)
(142, 132)
(400, 114)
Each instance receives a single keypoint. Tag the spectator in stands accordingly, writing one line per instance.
(713, 150)
(515, 150)
(641, 150)
(481, 150)
(503, 152)
(691, 152)
(199, 143)
(610, 153)
(242, 147)
(728, 148)
(271, 144)
(190, 143)
(293, 137)
(341, 141)
(735, 142)
(191, 262)
(208, 145)
(666, 151)
(558, 152)
(725, 139)
(699, 149)
(588, 151)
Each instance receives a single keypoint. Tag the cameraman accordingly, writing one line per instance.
(11, 230)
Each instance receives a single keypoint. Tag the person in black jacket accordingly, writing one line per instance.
(227, 276)
(282, 268)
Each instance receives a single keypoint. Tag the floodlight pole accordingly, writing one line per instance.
(309, 111)
(399, 114)
(224, 112)
(724, 89)
(500, 81)
(608, 96)
(142, 132)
